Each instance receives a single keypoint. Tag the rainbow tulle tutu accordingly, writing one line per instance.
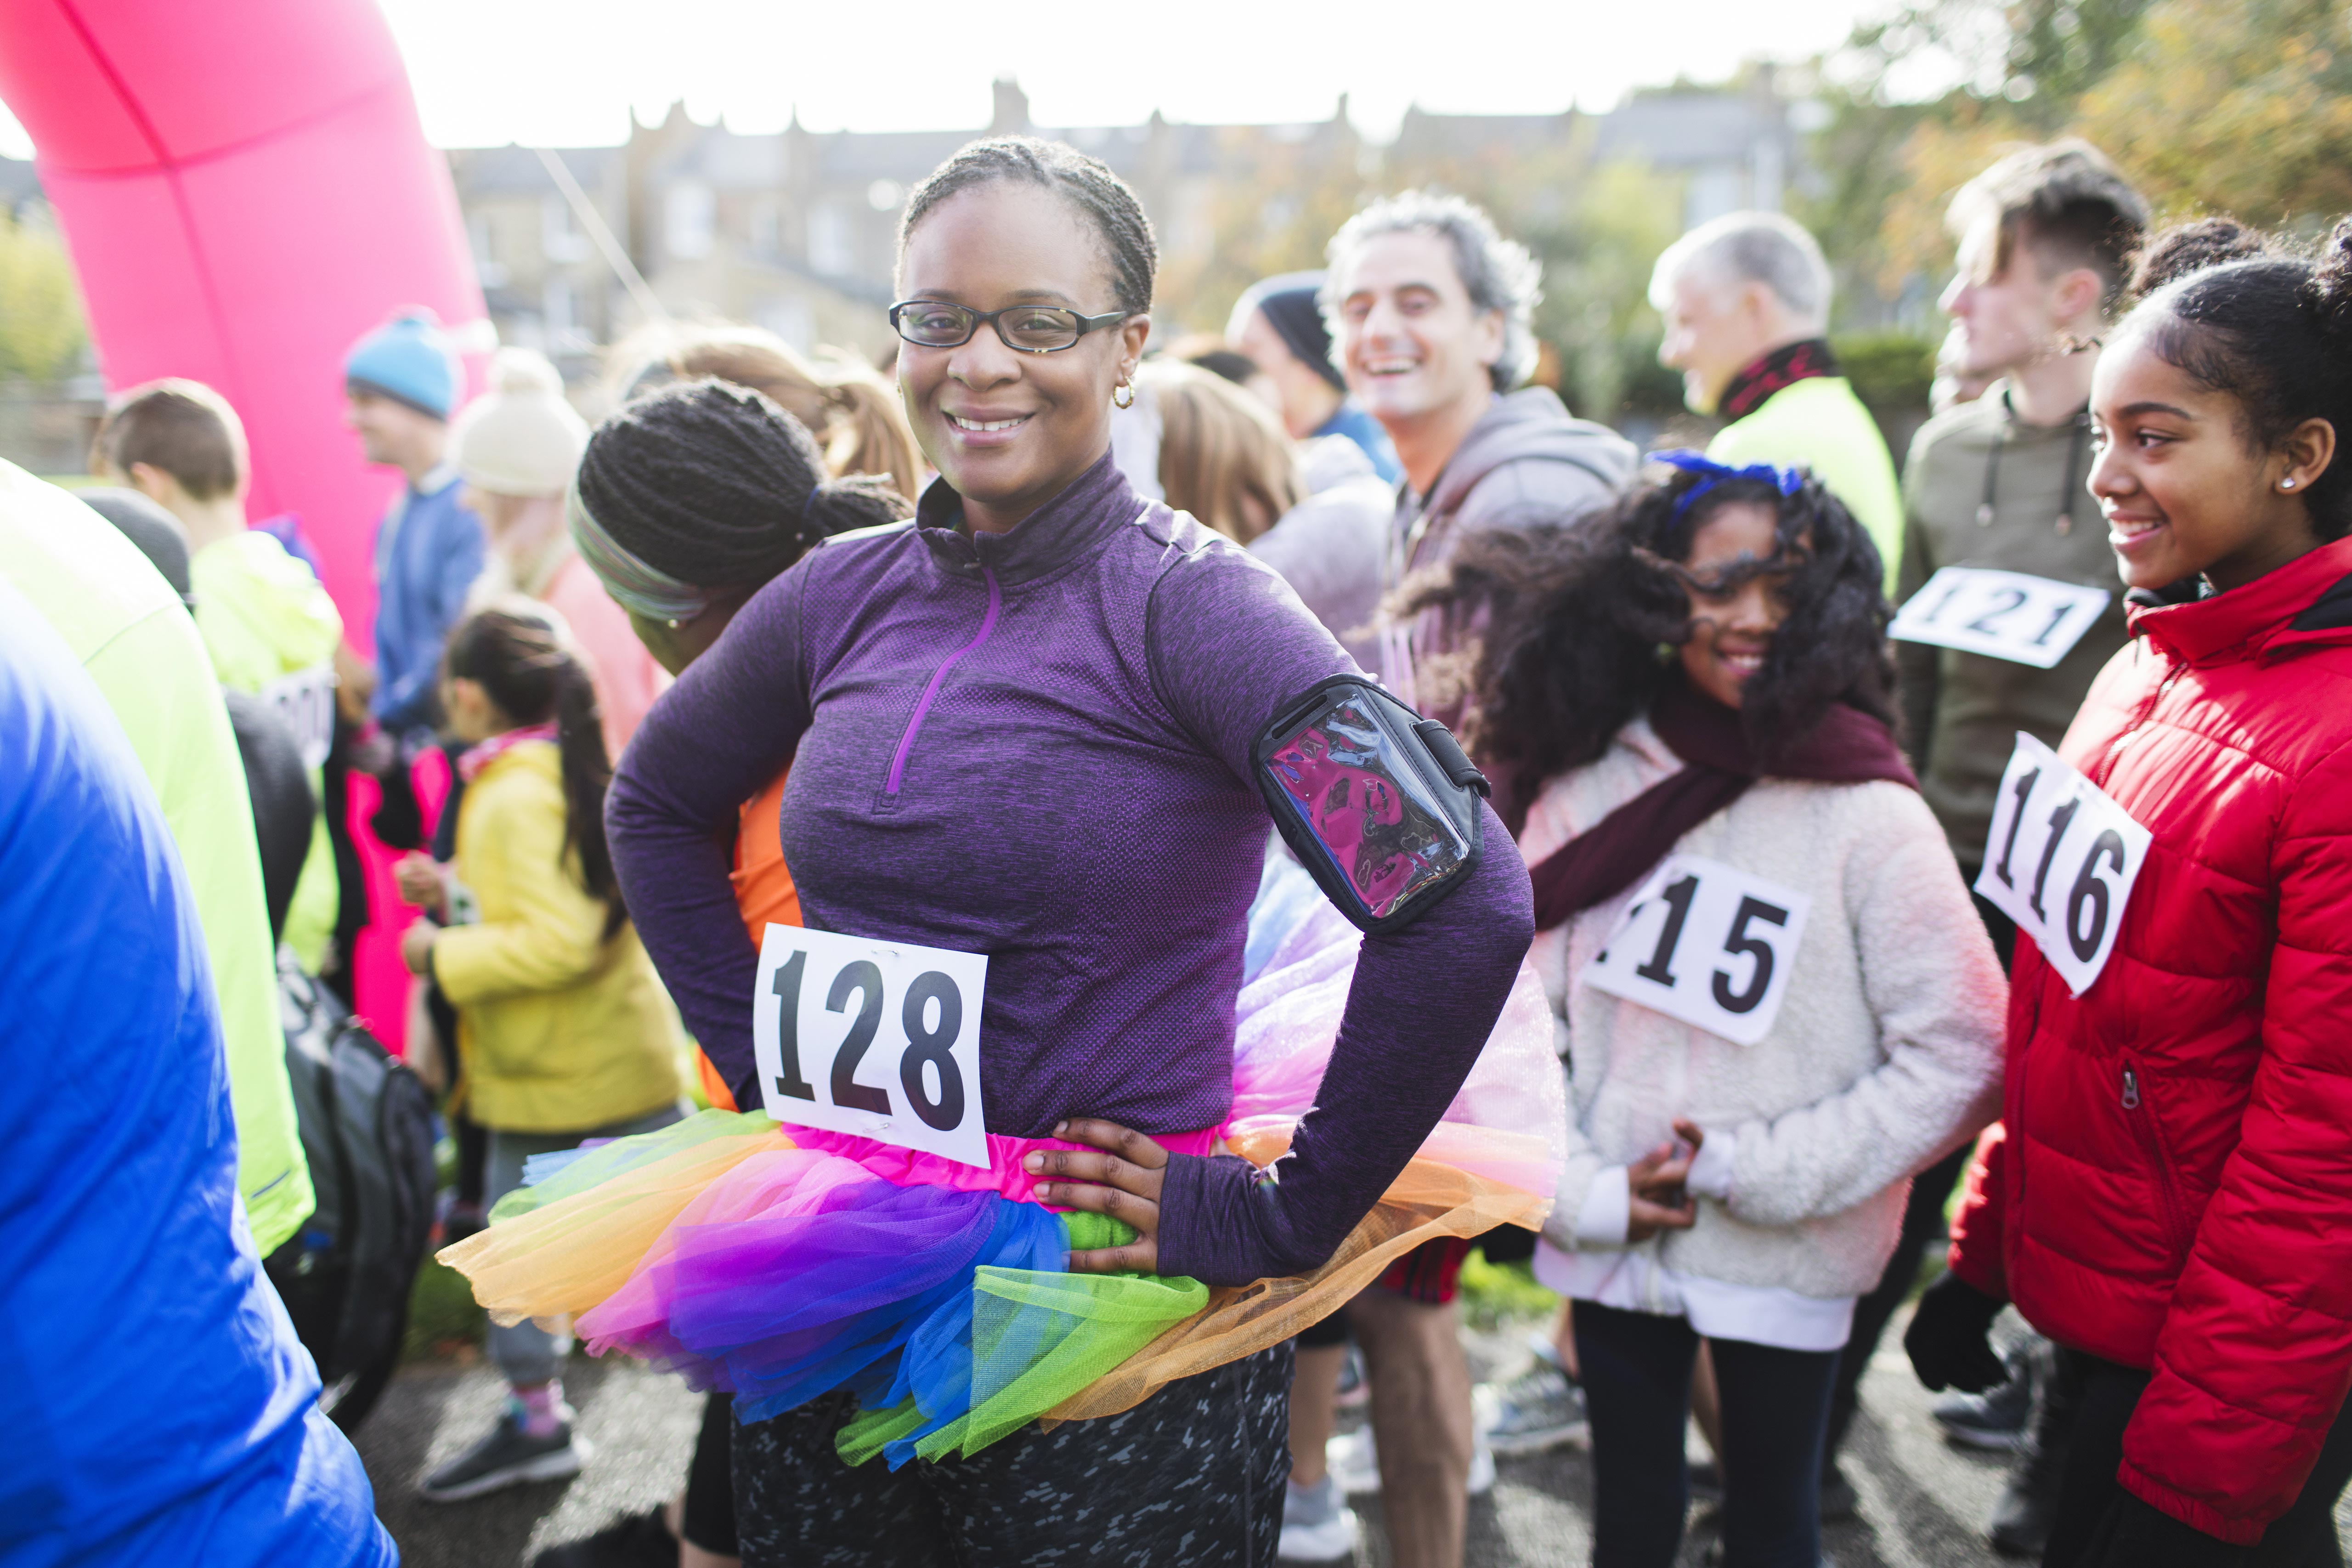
(778, 1262)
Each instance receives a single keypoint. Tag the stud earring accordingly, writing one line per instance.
(1127, 401)
(2286, 484)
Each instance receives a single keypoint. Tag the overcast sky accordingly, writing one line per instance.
(567, 72)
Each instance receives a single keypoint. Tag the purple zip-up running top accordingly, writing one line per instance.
(1035, 745)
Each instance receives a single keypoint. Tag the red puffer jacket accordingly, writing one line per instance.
(2174, 1190)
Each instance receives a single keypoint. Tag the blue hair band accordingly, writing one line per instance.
(1787, 480)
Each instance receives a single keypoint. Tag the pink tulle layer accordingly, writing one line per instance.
(913, 1167)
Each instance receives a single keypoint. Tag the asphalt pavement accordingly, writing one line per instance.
(1923, 1501)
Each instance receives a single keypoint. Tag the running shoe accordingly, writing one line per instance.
(1996, 1419)
(1318, 1525)
(1355, 1464)
(508, 1457)
(1541, 1408)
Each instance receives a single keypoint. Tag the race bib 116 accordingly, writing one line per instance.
(2061, 861)
(1708, 943)
(879, 1039)
(2001, 614)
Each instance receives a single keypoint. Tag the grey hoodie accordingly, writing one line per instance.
(1527, 461)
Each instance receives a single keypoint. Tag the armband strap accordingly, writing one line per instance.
(1380, 804)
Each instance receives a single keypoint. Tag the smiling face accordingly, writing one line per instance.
(1010, 430)
(2184, 490)
(1732, 631)
(1411, 345)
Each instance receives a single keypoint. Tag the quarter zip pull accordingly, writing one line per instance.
(938, 678)
(2131, 1090)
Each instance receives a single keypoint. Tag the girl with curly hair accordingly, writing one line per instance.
(1693, 695)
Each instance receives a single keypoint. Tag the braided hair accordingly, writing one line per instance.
(2274, 332)
(1086, 184)
(716, 486)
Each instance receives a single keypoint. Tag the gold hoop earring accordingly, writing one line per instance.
(1126, 402)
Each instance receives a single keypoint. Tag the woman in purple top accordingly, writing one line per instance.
(1022, 726)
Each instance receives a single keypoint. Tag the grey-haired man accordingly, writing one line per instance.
(1430, 308)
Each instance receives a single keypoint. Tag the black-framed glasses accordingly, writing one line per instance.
(1025, 329)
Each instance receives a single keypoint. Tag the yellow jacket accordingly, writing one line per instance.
(559, 1029)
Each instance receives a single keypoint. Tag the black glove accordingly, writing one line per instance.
(1947, 1337)
(2135, 1535)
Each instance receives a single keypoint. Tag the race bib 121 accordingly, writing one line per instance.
(2061, 861)
(1708, 943)
(879, 1039)
(2001, 614)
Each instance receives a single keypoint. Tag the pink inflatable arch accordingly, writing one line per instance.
(245, 190)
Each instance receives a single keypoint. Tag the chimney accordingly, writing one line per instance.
(1011, 114)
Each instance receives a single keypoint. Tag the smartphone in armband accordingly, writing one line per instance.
(1380, 804)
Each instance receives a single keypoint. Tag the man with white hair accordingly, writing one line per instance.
(1746, 300)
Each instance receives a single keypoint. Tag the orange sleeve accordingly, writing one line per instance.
(764, 892)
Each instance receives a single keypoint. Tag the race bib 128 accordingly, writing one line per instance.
(1707, 943)
(2001, 614)
(2061, 861)
(879, 1039)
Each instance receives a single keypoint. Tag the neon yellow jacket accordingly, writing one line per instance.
(1821, 425)
(559, 1029)
(130, 631)
(265, 618)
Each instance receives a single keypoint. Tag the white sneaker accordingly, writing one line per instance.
(1318, 1525)
(1482, 1465)
(1355, 1464)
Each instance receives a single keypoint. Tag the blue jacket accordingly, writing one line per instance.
(1350, 420)
(428, 551)
(156, 1405)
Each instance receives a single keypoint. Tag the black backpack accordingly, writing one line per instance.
(367, 1132)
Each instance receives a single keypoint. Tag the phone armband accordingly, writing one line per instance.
(1380, 804)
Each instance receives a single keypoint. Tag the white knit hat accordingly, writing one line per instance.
(520, 437)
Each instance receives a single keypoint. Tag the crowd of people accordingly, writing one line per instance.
(1713, 878)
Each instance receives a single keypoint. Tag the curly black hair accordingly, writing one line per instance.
(1581, 619)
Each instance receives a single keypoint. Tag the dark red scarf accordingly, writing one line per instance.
(1783, 367)
(1848, 746)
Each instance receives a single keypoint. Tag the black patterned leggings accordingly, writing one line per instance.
(1192, 1476)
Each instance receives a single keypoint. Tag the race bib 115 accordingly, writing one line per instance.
(2061, 861)
(2001, 614)
(879, 1039)
(1708, 943)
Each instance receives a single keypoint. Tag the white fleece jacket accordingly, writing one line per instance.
(1885, 1054)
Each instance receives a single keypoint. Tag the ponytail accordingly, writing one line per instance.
(715, 486)
(520, 655)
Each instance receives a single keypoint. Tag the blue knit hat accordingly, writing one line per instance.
(408, 360)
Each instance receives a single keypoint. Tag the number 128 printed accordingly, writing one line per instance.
(881, 1039)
